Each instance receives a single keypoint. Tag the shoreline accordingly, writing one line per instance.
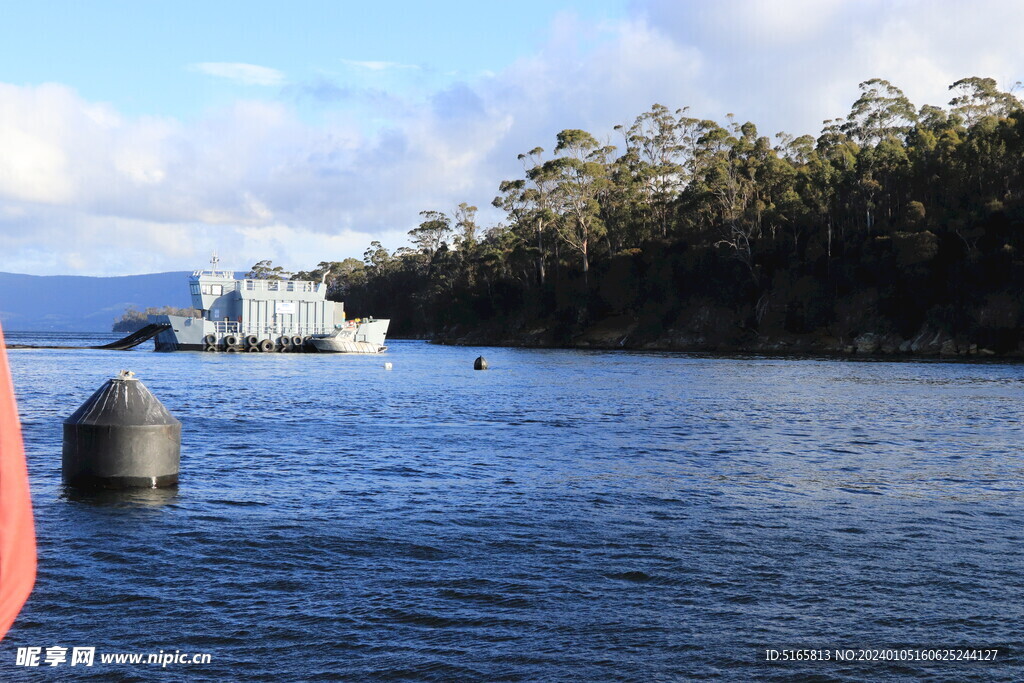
(740, 353)
(618, 334)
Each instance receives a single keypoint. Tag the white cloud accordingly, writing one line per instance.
(114, 195)
(769, 22)
(790, 65)
(247, 74)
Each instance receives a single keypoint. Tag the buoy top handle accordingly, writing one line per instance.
(126, 375)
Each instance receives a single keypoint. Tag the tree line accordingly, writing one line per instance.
(892, 220)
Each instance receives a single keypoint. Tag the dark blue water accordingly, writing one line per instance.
(565, 515)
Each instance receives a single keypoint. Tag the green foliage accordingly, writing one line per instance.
(881, 111)
(915, 247)
(266, 270)
(889, 219)
(979, 97)
(340, 276)
(432, 232)
(465, 226)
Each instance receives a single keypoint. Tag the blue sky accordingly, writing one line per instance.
(137, 137)
(137, 56)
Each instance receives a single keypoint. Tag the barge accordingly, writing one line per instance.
(265, 316)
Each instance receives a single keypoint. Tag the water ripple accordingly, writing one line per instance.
(563, 516)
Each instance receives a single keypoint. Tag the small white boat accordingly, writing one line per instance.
(354, 336)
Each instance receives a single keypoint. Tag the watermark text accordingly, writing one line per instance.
(58, 655)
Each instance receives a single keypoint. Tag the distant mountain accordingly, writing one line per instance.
(74, 303)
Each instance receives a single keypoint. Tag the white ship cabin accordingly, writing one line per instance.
(265, 308)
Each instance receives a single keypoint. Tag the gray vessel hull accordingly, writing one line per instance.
(197, 334)
(265, 315)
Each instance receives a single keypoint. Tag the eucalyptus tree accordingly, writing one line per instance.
(378, 261)
(266, 270)
(977, 98)
(881, 110)
(466, 229)
(777, 204)
(497, 263)
(343, 276)
(520, 215)
(698, 208)
(936, 119)
(839, 153)
(816, 182)
(797, 150)
(431, 234)
(512, 199)
(689, 131)
(465, 226)
(654, 150)
(626, 206)
(340, 276)
(989, 161)
(529, 205)
(726, 191)
(579, 176)
(539, 202)
(884, 180)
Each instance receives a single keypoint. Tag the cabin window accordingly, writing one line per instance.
(194, 287)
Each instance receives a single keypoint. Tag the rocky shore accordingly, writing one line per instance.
(626, 332)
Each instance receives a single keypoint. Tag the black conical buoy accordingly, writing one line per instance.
(480, 363)
(122, 437)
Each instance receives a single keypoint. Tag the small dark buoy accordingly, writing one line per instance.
(122, 437)
(480, 363)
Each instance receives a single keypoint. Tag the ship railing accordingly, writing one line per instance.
(281, 286)
(220, 274)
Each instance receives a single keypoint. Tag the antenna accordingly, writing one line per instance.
(214, 260)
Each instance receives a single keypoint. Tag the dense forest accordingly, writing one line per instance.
(896, 229)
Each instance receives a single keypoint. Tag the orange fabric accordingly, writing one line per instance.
(17, 532)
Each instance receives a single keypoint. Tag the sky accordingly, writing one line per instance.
(140, 137)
